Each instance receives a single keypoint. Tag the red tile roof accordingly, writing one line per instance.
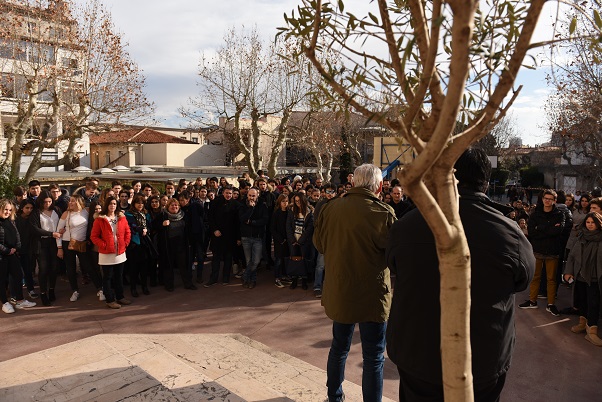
(137, 136)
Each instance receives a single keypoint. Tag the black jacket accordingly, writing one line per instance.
(253, 220)
(502, 263)
(223, 216)
(5, 248)
(545, 230)
(278, 229)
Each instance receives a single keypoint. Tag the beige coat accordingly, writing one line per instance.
(352, 234)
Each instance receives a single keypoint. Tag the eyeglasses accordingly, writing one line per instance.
(549, 199)
(330, 191)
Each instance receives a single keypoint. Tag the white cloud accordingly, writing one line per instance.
(166, 39)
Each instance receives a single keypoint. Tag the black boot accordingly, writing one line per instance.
(45, 300)
(134, 292)
(304, 283)
(51, 295)
(294, 283)
(145, 290)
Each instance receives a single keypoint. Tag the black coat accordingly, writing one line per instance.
(278, 228)
(223, 216)
(545, 230)
(502, 263)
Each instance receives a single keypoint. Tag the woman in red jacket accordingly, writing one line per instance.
(111, 233)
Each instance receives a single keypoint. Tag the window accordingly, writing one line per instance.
(32, 27)
(195, 140)
(68, 62)
(57, 33)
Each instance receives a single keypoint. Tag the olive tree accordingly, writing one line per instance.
(431, 64)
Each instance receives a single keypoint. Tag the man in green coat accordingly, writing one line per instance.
(352, 234)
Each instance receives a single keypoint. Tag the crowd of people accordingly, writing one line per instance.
(140, 236)
(565, 231)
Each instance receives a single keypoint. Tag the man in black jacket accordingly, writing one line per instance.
(545, 228)
(224, 229)
(502, 263)
(253, 218)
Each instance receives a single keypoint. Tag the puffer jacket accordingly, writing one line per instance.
(102, 235)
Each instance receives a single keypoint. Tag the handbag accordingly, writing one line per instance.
(76, 245)
(296, 263)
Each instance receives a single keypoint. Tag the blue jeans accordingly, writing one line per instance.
(373, 348)
(319, 275)
(253, 248)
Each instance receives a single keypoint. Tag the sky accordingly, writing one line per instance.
(166, 38)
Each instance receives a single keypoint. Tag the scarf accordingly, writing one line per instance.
(590, 241)
(175, 217)
(140, 219)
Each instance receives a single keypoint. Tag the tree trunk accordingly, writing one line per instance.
(279, 144)
(454, 268)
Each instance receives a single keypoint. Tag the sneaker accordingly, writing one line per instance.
(8, 308)
(528, 304)
(209, 284)
(278, 283)
(24, 304)
(553, 310)
(33, 294)
(124, 301)
(74, 296)
(252, 284)
(101, 295)
(318, 293)
(114, 305)
(238, 275)
(542, 296)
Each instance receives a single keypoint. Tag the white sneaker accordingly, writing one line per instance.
(24, 304)
(8, 308)
(101, 295)
(74, 296)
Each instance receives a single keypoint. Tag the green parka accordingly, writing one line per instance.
(352, 233)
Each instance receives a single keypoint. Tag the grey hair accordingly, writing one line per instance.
(368, 176)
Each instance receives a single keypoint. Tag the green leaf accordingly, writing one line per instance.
(341, 5)
(373, 18)
(597, 19)
(573, 25)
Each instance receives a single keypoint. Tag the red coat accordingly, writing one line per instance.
(102, 235)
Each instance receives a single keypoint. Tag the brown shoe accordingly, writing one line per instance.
(124, 302)
(113, 305)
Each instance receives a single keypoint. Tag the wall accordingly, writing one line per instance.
(186, 155)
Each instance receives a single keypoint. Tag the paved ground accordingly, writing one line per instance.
(550, 363)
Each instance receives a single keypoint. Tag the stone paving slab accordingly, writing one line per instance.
(187, 367)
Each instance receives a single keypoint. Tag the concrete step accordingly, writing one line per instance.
(188, 367)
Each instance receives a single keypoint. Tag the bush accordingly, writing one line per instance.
(6, 185)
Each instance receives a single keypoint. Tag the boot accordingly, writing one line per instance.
(592, 335)
(580, 328)
(51, 295)
(304, 283)
(45, 300)
(294, 283)
(134, 292)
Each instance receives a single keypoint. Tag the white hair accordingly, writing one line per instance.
(368, 176)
